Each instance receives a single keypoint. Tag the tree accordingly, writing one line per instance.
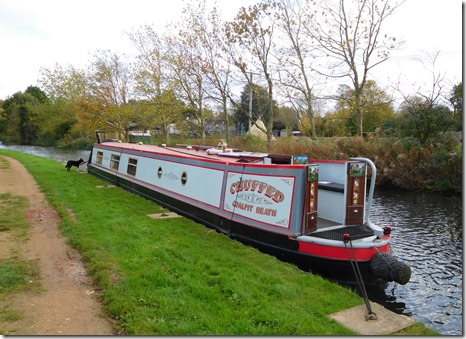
(156, 83)
(188, 69)
(19, 117)
(65, 87)
(259, 108)
(349, 35)
(456, 100)
(426, 114)
(286, 119)
(63, 83)
(252, 31)
(206, 28)
(341, 122)
(295, 60)
(110, 81)
(377, 106)
(162, 111)
(424, 120)
(152, 76)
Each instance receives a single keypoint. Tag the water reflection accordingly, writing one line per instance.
(427, 235)
(50, 152)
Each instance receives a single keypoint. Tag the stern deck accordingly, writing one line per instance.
(355, 232)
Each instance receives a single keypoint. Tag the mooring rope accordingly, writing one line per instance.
(354, 265)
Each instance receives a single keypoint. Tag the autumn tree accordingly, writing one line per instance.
(188, 70)
(377, 107)
(66, 83)
(351, 41)
(252, 31)
(67, 88)
(155, 83)
(151, 77)
(110, 82)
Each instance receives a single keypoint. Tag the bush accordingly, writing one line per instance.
(404, 163)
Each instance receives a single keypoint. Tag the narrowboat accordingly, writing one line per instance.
(310, 212)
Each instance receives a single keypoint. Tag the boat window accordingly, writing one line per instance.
(115, 162)
(159, 172)
(99, 158)
(184, 178)
(132, 164)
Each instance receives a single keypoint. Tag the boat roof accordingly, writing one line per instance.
(211, 153)
(195, 152)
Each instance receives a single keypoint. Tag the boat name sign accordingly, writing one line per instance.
(269, 202)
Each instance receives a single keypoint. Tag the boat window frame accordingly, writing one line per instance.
(132, 167)
(115, 162)
(99, 158)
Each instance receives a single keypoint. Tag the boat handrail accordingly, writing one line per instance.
(377, 230)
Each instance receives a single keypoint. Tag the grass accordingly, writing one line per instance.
(13, 216)
(16, 274)
(177, 277)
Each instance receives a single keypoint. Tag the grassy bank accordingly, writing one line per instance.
(176, 277)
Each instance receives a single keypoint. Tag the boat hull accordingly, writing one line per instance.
(282, 246)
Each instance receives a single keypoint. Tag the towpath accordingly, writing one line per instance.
(68, 304)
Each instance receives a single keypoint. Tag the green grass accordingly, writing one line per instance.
(13, 214)
(15, 273)
(16, 276)
(176, 277)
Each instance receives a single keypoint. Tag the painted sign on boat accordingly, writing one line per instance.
(262, 198)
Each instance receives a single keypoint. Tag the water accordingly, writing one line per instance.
(427, 235)
(50, 152)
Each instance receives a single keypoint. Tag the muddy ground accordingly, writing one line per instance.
(68, 303)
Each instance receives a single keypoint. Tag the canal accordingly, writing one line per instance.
(427, 235)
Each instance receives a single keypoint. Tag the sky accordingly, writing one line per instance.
(41, 33)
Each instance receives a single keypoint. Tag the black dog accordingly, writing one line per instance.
(75, 163)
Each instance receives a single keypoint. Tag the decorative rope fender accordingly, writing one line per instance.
(386, 266)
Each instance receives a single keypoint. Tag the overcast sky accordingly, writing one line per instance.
(40, 33)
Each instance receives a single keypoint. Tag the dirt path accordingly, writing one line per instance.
(69, 304)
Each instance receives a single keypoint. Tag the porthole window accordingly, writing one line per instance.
(184, 178)
(159, 172)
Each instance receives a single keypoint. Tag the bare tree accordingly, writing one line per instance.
(206, 29)
(155, 82)
(349, 35)
(295, 58)
(151, 73)
(429, 112)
